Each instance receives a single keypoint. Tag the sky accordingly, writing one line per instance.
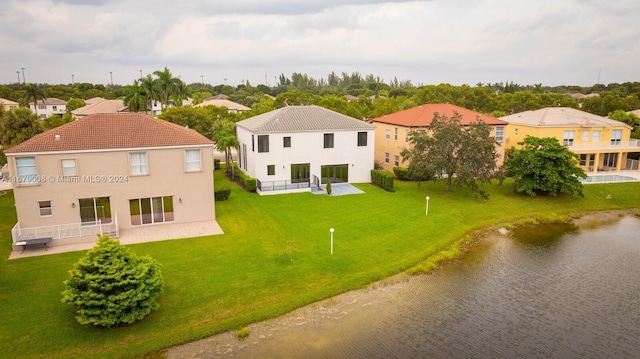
(552, 42)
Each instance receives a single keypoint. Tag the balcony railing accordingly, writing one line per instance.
(631, 144)
(266, 186)
(63, 231)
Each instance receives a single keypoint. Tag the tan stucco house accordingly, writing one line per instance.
(108, 172)
(392, 131)
(8, 105)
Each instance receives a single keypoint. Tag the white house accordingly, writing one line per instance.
(292, 148)
(49, 106)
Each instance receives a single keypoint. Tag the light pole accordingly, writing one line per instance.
(331, 230)
(202, 80)
(18, 72)
(140, 75)
(24, 81)
(72, 80)
(111, 73)
(426, 213)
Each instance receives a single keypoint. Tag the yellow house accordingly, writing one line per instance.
(8, 105)
(602, 143)
(392, 131)
(108, 173)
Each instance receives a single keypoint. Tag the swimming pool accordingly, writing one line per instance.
(608, 178)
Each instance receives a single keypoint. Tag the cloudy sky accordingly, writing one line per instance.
(552, 42)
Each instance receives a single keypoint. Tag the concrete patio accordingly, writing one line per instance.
(142, 234)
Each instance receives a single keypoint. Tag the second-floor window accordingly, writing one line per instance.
(286, 141)
(42, 107)
(395, 133)
(263, 143)
(616, 137)
(499, 133)
(596, 136)
(26, 168)
(585, 135)
(138, 163)
(328, 140)
(406, 135)
(192, 161)
(362, 138)
(69, 167)
(387, 134)
(568, 138)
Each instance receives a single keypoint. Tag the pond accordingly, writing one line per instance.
(552, 291)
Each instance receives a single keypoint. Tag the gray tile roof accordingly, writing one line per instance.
(302, 119)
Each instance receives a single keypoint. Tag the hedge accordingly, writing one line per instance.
(249, 183)
(216, 164)
(382, 179)
(222, 194)
(402, 173)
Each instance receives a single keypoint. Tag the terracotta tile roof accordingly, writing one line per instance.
(302, 119)
(421, 116)
(111, 131)
(50, 101)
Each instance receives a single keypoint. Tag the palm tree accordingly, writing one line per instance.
(168, 85)
(223, 135)
(182, 92)
(152, 90)
(135, 97)
(35, 93)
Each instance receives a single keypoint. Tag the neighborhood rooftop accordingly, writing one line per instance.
(421, 116)
(302, 118)
(111, 131)
(559, 117)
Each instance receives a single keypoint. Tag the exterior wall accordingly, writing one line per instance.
(394, 146)
(107, 174)
(307, 147)
(517, 132)
(49, 110)
(9, 105)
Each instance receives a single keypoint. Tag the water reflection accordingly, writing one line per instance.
(556, 292)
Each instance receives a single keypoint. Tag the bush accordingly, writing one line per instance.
(222, 194)
(216, 164)
(382, 179)
(328, 186)
(110, 285)
(249, 183)
(402, 173)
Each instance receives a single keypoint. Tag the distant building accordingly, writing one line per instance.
(231, 106)
(8, 105)
(49, 106)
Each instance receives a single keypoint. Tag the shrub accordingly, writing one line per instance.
(382, 179)
(222, 194)
(110, 285)
(216, 164)
(243, 333)
(328, 186)
(249, 183)
(402, 173)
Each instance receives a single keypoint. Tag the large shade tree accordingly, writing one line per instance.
(544, 166)
(466, 154)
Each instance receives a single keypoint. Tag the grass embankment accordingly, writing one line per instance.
(221, 283)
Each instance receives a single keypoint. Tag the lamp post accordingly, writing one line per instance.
(426, 213)
(331, 231)
(18, 72)
(73, 82)
(140, 74)
(111, 74)
(24, 81)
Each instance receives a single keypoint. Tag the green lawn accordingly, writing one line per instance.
(221, 283)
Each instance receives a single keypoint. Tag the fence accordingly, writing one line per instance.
(64, 231)
(266, 186)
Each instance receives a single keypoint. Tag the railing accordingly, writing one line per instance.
(606, 145)
(266, 186)
(632, 164)
(63, 230)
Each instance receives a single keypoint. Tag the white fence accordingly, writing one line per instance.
(64, 231)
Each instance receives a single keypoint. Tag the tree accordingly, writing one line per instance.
(224, 136)
(135, 97)
(111, 286)
(196, 118)
(54, 121)
(628, 118)
(17, 126)
(467, 154)
(543, 165)
(152, 91)
(74, 104)
(167, 84)
(33, 93)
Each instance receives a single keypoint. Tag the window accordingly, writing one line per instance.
(386, 157)
(26, 168)
(499, 133)
(395, 133)
(328, 140)
(610, 160)
(192, 161)
(568, 138)
(43, 116)
(69, 167)
(42, 107)
(396, 161)
(253, 144)
(286, 141)
(271, 170)
(244, 153)
(596, 136)
(55, 108)
(516, 131)
(263, 143)
(94, 210)
(406, 135)
(583, 159)
(138, 163)
(585, 135)
(387, 134)
(151, 210)
(45, 208)
(616, 137)
(362, 138)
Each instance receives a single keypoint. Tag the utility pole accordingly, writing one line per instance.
(24, 81)
(225, 80)
(140, 75)
(18, 75)
(72, 80)
(111, 73)
(265, 80)
(202, 80)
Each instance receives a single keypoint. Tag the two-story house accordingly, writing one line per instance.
(392, 131)
(8, 105)
(293, 147)
(601, 143)
(109, 172)
(49, 106)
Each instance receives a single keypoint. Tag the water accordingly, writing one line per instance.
(607, 178)
(555, 291)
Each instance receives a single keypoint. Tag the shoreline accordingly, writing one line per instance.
(332, 309)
